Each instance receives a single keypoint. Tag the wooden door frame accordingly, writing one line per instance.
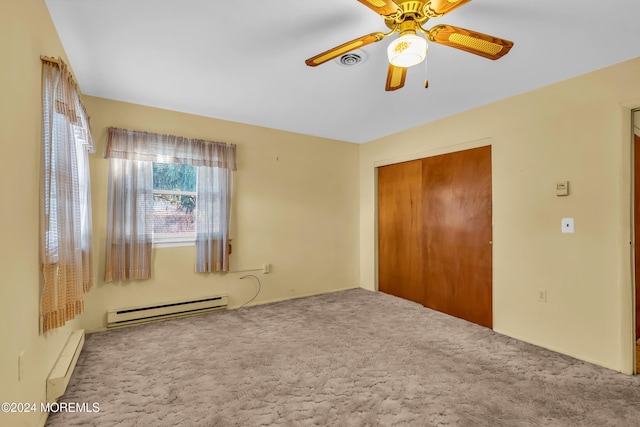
(634, 246)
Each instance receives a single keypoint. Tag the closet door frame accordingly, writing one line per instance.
(408, 277)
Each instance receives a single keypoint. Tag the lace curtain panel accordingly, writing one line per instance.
(129, 224)
(66, 259)
(212, 223)
(131, 156)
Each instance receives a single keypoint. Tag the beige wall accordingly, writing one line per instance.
(295, 206)
(298, 200)
(577, 130)
(26, 32)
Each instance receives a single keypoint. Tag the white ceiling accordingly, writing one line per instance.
(244, 60)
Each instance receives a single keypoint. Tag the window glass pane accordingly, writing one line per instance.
(174, 213)
(174, 177)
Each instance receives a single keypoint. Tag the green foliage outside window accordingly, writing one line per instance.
(176, 177)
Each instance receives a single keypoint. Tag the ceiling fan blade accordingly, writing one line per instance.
(470, 41)
(344, 48)
(437, 8)
(395, 77)
(383, 7)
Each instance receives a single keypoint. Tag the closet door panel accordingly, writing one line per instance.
(456, 234)
(399, 237)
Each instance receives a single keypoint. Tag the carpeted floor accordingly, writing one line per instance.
(351, 358)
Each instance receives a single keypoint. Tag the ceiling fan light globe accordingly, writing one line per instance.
(407, 51)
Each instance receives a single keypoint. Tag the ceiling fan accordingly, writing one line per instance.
(407, 18)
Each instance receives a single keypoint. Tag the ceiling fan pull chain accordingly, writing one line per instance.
(426, 69)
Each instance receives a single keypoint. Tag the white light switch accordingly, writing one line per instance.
(567, 225)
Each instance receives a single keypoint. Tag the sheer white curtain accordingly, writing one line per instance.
(213, 209)
(66, 257)
(129, 219)
(129, 228)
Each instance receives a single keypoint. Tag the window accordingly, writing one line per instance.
(174, 204)
(162, 187)
(65, 208)
(73, 161)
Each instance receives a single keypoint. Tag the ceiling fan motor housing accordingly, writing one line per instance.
(409, 11)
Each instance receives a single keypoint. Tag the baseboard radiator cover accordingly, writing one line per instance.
(60, 375)
(163, 311)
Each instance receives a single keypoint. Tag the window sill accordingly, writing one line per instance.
(173, 240)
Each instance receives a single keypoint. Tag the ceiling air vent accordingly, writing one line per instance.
(352, 58)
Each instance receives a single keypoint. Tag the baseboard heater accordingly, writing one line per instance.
(163, 311)
(60, 375)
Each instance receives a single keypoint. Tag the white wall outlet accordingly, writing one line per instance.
(567, 225)
(542, 295)
(266, 268)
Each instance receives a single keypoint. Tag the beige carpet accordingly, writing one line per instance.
(351, 358)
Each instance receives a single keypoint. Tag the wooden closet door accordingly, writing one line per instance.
(457, 233)
(399, 230)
